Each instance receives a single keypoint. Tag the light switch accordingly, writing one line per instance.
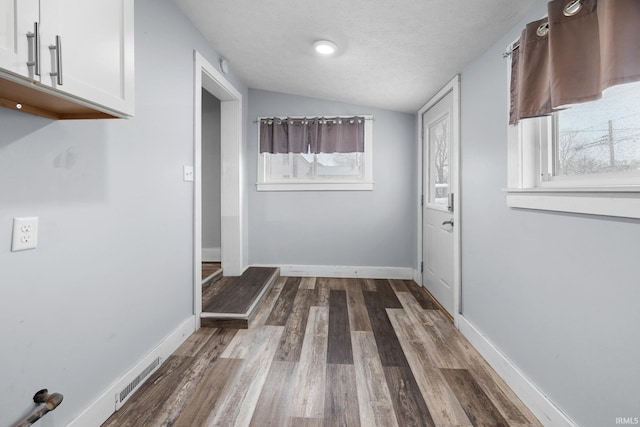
(25, 233)
(188, 173)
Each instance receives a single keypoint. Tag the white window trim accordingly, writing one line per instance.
(529, 186)
(528, 189)
(362, 184)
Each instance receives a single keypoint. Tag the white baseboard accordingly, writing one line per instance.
(543, 408)
(211, 254)
(343, 271)
(417, 277)
(104, 406)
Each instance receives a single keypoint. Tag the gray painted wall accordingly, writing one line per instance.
(112, 274)
(347, 228)
(557, 293)
(210, 171)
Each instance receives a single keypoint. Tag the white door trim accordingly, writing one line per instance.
(452, 86)
(206, 76)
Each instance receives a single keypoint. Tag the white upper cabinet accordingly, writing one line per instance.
(82, 51)
(19, 20)
(94, 50)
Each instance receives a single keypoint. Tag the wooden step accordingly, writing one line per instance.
(232, 302)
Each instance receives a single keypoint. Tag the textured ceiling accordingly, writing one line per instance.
(392, 54)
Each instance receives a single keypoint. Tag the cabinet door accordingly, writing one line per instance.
(17, 18)
(94, 56)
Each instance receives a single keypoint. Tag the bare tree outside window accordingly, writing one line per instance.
(602, 136)
(441, 140)
(573, 157)
(439, 161)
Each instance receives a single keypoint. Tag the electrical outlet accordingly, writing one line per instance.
(25, 233)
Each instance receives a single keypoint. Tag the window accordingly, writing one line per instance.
(598, 141)
(584, 159)
(304, 169)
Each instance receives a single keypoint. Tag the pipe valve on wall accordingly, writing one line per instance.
(46, 402)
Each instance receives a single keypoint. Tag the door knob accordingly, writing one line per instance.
(450, 222)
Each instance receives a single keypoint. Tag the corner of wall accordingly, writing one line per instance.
(105, 405)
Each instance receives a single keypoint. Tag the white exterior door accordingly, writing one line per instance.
(439, 174)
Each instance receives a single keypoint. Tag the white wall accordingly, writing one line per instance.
(210, 174)
(343, 228)
(557, 293)
(112, 274)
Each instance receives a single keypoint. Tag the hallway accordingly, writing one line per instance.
(332, 352)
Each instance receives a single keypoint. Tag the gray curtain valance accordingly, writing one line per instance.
(312, 135)
(582, 48)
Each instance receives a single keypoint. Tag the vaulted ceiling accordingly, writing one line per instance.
(392, 54)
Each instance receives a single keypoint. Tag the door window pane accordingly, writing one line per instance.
(438, 134)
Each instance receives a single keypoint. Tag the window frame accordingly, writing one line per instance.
(530, 186)
(363, 183)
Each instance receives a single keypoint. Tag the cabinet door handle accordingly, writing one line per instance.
(34, 48)
(58, 49)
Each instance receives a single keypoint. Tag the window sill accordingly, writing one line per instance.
(315, 186)
(608, 201)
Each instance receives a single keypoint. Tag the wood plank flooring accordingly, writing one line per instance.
(329, 352)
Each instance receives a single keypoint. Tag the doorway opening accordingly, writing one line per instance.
(208, 80)
(211, 174)
(439, 217)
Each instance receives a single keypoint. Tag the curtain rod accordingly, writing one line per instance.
(515, 45)
(569, 10)
(364, 117)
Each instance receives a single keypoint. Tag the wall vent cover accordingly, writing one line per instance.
(137, 381)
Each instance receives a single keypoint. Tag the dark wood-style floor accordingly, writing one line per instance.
(329, 352)
(210, 270)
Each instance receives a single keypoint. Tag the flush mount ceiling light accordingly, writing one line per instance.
(325, 47)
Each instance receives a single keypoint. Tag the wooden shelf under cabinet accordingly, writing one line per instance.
(33, 98)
